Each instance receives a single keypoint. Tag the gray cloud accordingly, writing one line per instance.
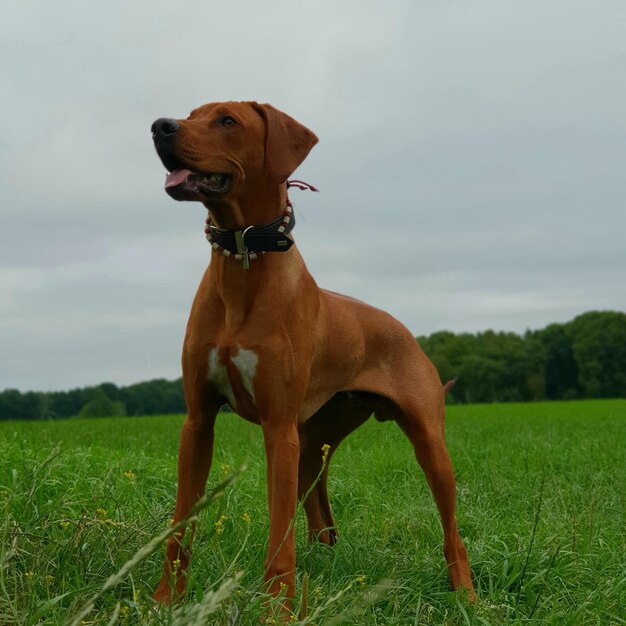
(471, 163)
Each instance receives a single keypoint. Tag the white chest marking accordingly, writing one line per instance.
(245, 361)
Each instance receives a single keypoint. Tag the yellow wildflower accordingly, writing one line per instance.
(129, 474)
(246, 517)
(101, 512)
(361, 580)
(219, 525)
(64, 524)
(225, 468)
(29, 575)
(325, 451)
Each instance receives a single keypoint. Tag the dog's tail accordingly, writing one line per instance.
(448, 386)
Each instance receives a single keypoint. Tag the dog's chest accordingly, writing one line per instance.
(232, 371)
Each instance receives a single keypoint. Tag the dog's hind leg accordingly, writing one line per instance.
(328, 427)
(423, 424)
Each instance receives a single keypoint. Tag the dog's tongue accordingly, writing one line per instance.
(176, 177)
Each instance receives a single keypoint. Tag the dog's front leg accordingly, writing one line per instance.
(194, 462)
(282, 447)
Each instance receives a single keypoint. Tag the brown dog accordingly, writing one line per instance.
(308, 365)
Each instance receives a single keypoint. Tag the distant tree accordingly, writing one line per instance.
(110, 390)
(448, 352)
(66, 403)
(526, 365)
(154, 397)
(12, 405)
(561, 370)
(100, 405)
(480, 379)
(490, 366)
(21, 406)
(599, 348)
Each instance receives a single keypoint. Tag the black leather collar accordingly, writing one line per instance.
(248, 243)
(257, 238)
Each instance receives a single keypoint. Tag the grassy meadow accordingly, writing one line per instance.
(542, 491)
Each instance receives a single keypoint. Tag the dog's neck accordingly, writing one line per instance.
(254, 204)
(272, 280)
(239, 289)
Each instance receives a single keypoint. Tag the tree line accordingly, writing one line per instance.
(154, 397)
(583, 358)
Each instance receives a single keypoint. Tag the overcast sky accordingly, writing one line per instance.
(471, 165)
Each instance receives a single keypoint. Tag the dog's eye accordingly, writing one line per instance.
(227, 120)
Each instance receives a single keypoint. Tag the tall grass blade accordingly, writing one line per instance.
(151, 547)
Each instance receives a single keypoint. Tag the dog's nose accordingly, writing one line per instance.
(164, 128)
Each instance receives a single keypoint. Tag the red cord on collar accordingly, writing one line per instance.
(300, 184)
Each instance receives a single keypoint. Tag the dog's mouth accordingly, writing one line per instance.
(184, 184)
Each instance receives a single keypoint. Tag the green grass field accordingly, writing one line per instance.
(541, 508)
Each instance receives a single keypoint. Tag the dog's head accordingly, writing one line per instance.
(210, 155)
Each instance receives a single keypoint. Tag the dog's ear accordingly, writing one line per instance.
(287, 142)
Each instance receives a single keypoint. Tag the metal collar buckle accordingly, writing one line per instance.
(242, 249)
